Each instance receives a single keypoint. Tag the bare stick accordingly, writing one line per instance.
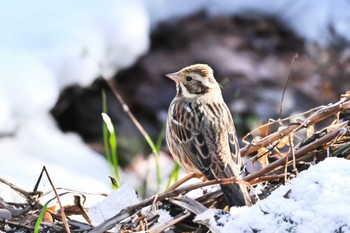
(291, 145)
(301, 152)
(182, 180)
(285, 168)
(285, 86)
(20, 191)
(279, 121)
(126, 108)
(321, 114)
(64, 218)
(266, 179)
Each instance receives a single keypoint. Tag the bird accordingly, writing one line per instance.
(200, 132)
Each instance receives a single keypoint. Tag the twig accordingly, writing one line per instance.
(301, 152)
(182, 180)
(266, 179)
(291, 145)
(321, 114)
(64, 218)
(126, 109)
(23, 193)
(271, 122)
(285, 168)
(285, 86)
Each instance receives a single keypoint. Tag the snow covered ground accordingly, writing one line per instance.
(316, 201)
(47, 46)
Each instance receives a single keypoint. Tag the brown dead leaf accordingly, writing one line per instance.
(47, 216)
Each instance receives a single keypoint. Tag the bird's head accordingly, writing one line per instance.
(195, 80)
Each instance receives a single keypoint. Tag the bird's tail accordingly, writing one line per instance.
(236, 195)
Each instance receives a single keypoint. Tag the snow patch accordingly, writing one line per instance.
(116, 201)
(316, 201)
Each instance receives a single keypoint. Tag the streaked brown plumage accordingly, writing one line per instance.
(200, 132)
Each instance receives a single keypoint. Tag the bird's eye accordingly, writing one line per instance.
(189, 78)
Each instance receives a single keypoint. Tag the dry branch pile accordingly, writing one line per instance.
(278, 151)
(275, 153)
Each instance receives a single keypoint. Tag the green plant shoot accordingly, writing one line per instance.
(40, 218)
(110, 142)
(174, 176)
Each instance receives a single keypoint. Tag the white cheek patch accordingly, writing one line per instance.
(209, 84)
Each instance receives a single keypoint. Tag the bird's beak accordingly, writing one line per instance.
(173, 76)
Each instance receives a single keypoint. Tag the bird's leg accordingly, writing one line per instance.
(183, 180)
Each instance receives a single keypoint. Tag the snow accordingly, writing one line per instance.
(48, 46)
(164, 216)
(45, 47)
(316, 201)
(39, 142)
(116, 201)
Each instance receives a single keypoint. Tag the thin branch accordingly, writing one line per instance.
(182, 180)
(126, 108)
(279, 121)
(286, 85)
(285, 168)
(22, 192)
(321, 114)
(301, 152)
(291, 145)
(267, 179)
(64, 218)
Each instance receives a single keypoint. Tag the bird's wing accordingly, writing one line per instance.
(185, 123)
(208, 141)
(222, 140)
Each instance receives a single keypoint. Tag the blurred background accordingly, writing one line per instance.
(54, 56)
